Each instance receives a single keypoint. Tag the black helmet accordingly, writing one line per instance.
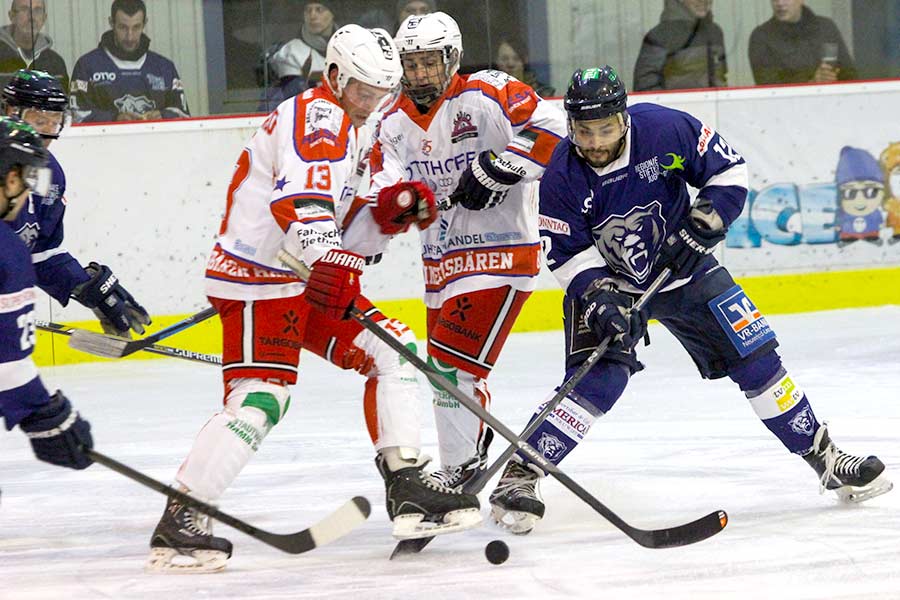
(40, 90)
(595, 94)
(21, 146)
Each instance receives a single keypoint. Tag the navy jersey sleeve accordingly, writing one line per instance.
(710, 164)
(175, 104)
(569, 249)
(57, 271)
(21, 390)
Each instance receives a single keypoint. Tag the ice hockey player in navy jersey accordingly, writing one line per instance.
(122, 79)
(57, 433)
(39, 100)
(614, 212)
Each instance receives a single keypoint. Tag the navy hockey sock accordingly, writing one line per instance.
(566, 426)
(778, 401)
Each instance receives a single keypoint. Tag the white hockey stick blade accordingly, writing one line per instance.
(98, 344)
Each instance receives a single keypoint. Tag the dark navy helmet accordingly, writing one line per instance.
(595, 94)
(39, 91)
(21, 147)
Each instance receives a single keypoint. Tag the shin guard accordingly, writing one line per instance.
(230, 438)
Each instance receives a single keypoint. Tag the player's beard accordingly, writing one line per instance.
(603, 156)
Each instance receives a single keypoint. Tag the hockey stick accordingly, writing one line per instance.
(211, 359)
(112, 346)
(476, 484)
(338, 524)
(681, 535)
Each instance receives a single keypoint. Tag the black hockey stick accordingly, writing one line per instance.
(680, 535)
(336, 525)
(211, 359)
(476, 484)
(112, 346)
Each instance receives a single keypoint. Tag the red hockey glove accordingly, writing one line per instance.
(403, 204)
(334, 283)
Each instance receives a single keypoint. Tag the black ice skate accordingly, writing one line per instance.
(516, 503)
(458, 476)
(183, 541)
(853, 478)
(420, 506)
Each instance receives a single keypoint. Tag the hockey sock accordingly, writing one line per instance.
(230, 438)
(393, 409)
(778, 401)
(567, 425)
(458, 428)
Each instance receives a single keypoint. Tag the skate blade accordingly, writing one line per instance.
(413, 526)
(854, 495)
(169, 560)
(514, 521)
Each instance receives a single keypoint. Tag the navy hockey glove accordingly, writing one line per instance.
(605, 312)
(486, 182)
(114, 306)
(58, 434)
(696, 238)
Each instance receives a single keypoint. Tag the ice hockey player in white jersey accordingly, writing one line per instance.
(476, 143)
(290, 188)
(57, 433)
(615, 212)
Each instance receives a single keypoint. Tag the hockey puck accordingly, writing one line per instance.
(496, 552)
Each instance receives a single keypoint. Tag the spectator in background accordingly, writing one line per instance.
(298, 64)
(25, 47)
(512, 59)
(686, 50)
(406, 8)
(122, 79)
(797, 46)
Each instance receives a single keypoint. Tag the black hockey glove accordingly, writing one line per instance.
(58, 434)
(695, 239)
(605, 313)
(485, 182)
(114, 306)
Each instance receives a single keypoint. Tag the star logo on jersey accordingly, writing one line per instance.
(291, 319)
(625, 241)
(676, 165)
(279, 185)
(463, 128)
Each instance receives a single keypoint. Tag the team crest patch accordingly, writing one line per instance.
(134, 104)
(802, 422)
(741, 320)
(625, 240)
(29, 233)
(463, 128)
(550, 446)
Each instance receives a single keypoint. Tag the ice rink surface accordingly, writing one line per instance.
(673, 449)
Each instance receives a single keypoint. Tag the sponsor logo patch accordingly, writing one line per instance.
(706, 133)
(463, 128)
(741, 320)
(553, 225)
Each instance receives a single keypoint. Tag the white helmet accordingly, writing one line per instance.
(367, 55)
(434, 31)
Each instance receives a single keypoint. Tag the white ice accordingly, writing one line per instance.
(673, 449)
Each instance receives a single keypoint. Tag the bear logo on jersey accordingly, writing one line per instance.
(625, 241)
(136, 105)
(802, 422)
(29, 233)
(550, 446)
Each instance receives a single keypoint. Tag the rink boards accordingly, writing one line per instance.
(146, 199)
